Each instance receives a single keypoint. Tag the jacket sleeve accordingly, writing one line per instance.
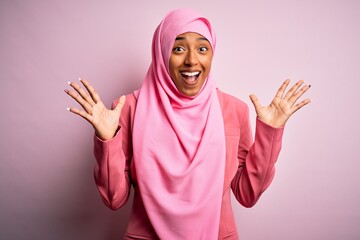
(112, 169)
(256, 160)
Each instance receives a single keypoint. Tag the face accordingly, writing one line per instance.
(190, 62)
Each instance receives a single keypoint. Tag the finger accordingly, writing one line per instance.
(120, 104)
(94, 95)
(293, 89)
(255, 101)
(300, 104)
(84, 104)
(80, 113)
(282, 88)
(82, 93)
(298, 94)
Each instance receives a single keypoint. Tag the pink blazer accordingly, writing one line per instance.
(249, 167)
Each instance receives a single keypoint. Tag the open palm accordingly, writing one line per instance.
(282, 106)
(104, 121)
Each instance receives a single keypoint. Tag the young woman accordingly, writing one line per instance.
(181, 143)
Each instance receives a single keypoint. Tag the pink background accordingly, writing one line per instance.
(46, 182)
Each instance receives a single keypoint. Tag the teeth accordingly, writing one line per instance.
(190, 74)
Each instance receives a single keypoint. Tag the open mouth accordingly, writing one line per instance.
(190, 77)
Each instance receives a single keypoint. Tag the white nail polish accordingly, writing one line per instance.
(79, 79)
(69, 82)
(68, 109)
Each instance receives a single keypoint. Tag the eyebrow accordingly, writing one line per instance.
(183, 38)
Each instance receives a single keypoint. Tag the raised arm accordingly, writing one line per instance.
(257, 160)
(112, 146)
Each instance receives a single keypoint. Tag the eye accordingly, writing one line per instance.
(203, 49)
(178, 49)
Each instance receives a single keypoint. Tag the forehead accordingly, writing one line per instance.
(191, 36)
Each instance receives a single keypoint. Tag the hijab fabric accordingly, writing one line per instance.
(179, 142)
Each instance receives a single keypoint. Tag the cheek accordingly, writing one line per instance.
(173, 63)
(171, 68)
(172, 71)
(207, 59)
(207, 64)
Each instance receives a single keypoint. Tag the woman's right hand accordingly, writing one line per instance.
(104, 121)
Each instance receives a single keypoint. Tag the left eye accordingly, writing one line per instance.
(203, 49)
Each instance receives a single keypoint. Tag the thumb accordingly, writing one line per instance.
(255, 101)
(120, 104)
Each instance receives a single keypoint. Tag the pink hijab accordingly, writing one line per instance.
(179, 142)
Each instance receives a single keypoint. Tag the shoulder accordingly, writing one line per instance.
(235, 111)
(230, 101)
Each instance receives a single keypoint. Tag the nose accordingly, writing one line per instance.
(191, 58)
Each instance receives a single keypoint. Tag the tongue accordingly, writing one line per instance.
(190, 78)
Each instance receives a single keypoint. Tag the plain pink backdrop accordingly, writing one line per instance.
(46, 182)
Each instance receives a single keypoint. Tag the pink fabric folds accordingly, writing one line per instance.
(179, 142)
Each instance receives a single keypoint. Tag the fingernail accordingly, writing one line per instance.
(67, 91)
(309, 86)
(68, 109)
(79, 79)
(69, 82)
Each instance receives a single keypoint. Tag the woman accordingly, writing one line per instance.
(181, 143)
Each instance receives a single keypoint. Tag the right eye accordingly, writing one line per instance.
(178, 49)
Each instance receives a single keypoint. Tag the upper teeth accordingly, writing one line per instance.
(190, 73)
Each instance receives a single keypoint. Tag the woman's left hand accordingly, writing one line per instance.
(282, 106)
